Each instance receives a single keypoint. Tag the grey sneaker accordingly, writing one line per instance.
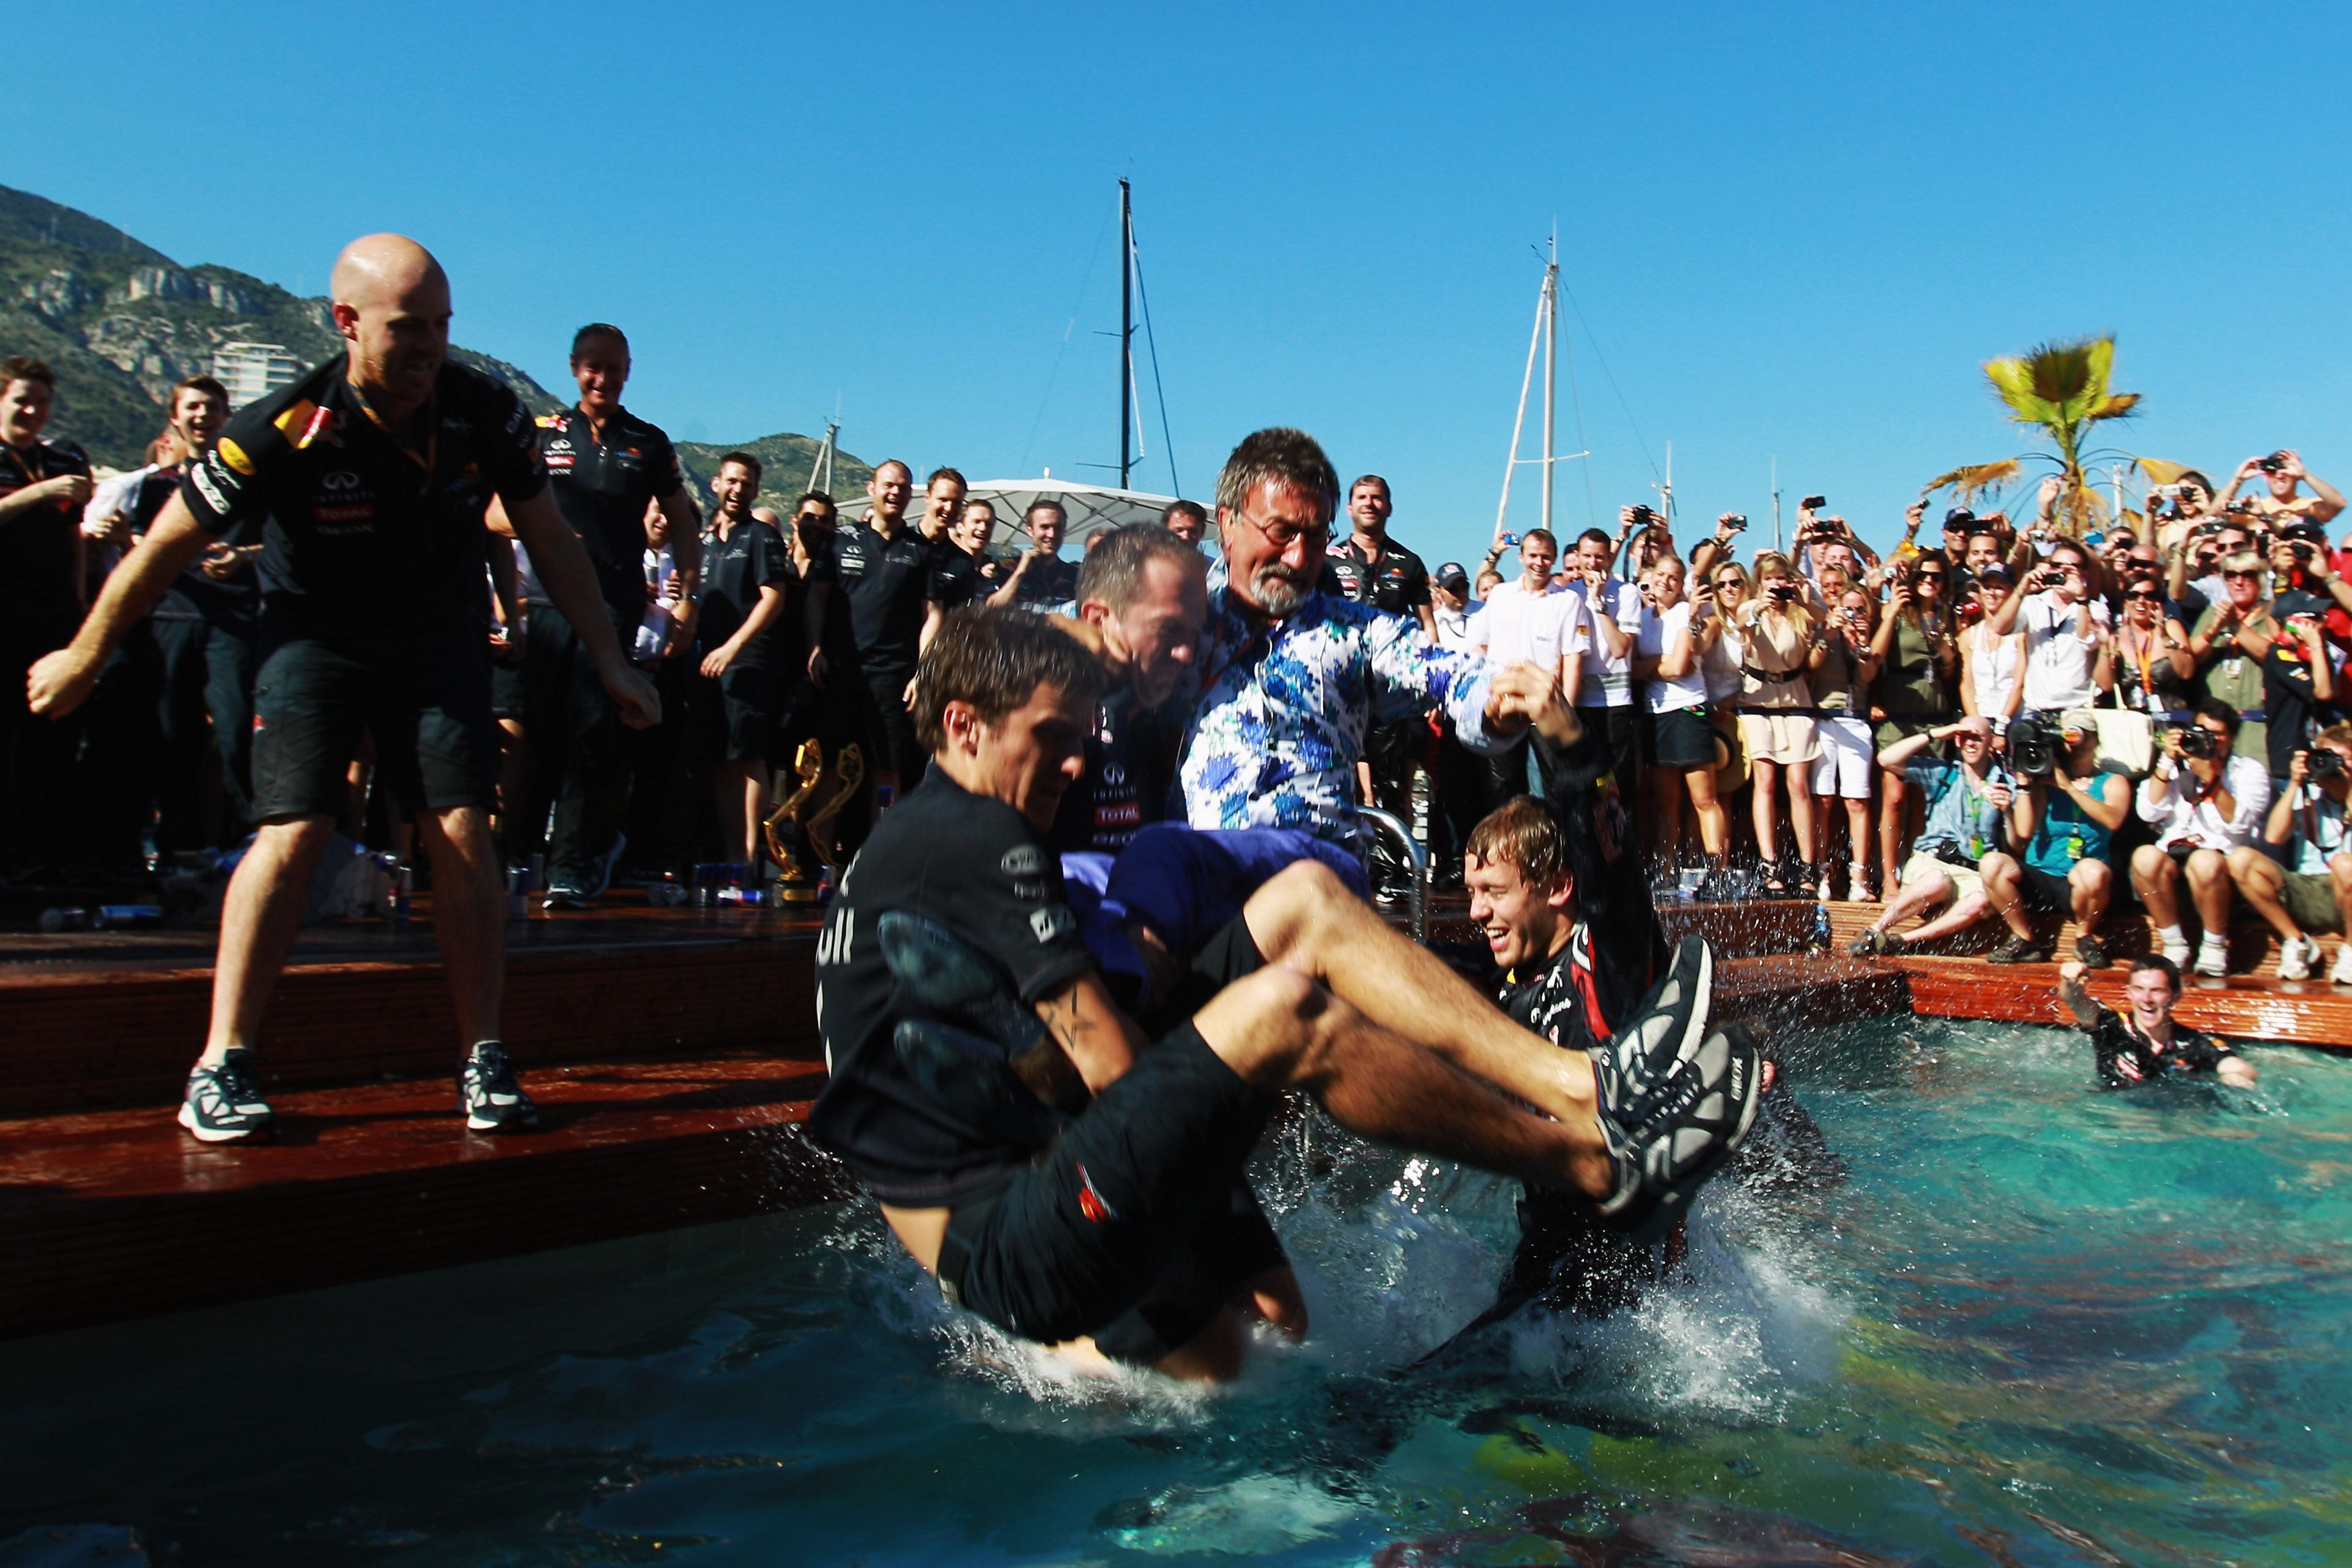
(222, 1106)
(488, 1094)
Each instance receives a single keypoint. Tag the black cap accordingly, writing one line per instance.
(1451, 578)
(2296, 601)
(1958, 517)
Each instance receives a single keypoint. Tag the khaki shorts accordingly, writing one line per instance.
(2311, 902)
(1965, 879)
(1777, 737)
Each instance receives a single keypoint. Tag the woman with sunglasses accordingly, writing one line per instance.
(1917, 646)
(2231, 638)
(2154, 668)
(1677, 743)
(1782, 648)
(1841, 685)
(1992, 664)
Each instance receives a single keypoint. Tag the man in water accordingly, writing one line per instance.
(2147, 1044)
(374, 472)
(1077, 1180)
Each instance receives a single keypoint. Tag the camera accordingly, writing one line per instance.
(2321, 763)
(1784, 592)
(1734, 523)
(2275, 463)
(1812, 503)
(1644, 516)
(2196, 741)
(2036, 742)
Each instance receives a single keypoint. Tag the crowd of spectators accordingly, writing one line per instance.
(2009, 723)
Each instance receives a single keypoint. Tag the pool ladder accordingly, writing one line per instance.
(1389, 826)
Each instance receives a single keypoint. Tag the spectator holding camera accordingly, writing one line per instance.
(1677, 743)
(2153, 666)
(2066, 660)
(1992, 663)
(1919, 650)
(2074, 810)
(2147, 1044)
(2283, 476)
(1973, 805)
(1600, 679)
(1843, 771)
(1781, 646)
(2298, 680)
(2204, 800)
(2312, 891)
(2230, 640)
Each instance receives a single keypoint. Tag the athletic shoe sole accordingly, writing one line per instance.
(1693, 1128)
(1667, 1030)
(203, 1135)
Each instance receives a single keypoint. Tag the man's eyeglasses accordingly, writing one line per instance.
(1283, 535)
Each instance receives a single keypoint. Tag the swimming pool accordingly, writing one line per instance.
(2033, 1324)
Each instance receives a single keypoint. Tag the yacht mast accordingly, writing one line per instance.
(1126, 330)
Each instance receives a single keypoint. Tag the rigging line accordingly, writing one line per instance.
(1083, 278)
(1576, 402)
(1639, 439)
(1167, 441)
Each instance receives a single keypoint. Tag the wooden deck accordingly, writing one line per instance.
(675, 1058)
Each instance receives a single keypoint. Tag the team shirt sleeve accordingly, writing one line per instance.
(228, 485)
(517, 471)
(662, 469)
(1009, 901)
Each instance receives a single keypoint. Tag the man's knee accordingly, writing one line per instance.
(2206, 868)
(2247, 865)
(1270, 1027)
(1290, 902)
(2152, 868)
(2095, 876)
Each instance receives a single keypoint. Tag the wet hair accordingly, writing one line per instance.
(1116, 563)
(598, 330)
(1290, 459)
(1521, 833)
(745, 461)
(1191, 509)
(25, 367)
(2215, 708)
(995, 659)
(2162, 966)
(203, 383)
(938, 474)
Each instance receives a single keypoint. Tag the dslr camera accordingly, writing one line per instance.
(2036, 743)
(2196, 741)
(1644, 516)
(2275, 463)
(2321, 762)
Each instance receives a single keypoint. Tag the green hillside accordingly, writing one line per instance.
(120, 321)
(785, 464)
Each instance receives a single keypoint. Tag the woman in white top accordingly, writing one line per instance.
(1992, 667)
(1677, 742)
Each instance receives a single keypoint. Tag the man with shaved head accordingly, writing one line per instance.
(373, 473)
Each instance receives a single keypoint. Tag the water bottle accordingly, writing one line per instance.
(65, 918)
(1822, 939)
(120, 917)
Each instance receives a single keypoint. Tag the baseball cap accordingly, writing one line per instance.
(1451, 578)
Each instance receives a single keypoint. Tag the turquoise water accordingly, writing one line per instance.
(2033, 1324)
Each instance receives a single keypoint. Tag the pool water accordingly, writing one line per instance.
(2031, 1323)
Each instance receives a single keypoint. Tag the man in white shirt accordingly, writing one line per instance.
(1531, 621)
(1604, 648)
(1450, 605)
(2063, 623)
(2204, 801)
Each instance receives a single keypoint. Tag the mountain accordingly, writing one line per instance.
(120, 321)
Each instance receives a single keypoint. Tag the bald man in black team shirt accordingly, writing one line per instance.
(372, 472)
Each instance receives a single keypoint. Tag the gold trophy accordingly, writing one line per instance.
(791, 824)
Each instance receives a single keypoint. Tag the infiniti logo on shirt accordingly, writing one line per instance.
(341, 480)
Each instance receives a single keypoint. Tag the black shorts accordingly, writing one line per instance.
(893, 728)
(1678, 738)
(2045, 892)
(1137, 1226)
(425, 699)
(508, 686)
(735, 715)
(1231, 954)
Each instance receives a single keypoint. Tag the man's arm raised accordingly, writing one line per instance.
(59, 682)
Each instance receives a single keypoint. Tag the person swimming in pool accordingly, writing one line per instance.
(2147, 1044)
(1075, 1175)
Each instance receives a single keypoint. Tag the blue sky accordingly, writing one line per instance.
(1791, 230)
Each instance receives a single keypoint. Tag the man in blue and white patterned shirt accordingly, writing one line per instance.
(1293, 678)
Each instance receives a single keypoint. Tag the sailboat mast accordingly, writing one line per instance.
(1551, 366)
(1126, 329)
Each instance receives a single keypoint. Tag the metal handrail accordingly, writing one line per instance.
(1393, 825)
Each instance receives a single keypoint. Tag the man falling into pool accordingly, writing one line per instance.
(2145, 1044)
(1074, 1176)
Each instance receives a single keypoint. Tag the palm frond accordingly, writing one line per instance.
(2159, 471)
(2116, 406)
(1974, 480)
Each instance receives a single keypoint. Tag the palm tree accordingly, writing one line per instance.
(2061, 388)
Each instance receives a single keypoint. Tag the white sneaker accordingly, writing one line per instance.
(2296, 956)
(2212, 960)
(2342, 973)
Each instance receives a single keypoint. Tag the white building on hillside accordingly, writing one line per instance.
(250, 370)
